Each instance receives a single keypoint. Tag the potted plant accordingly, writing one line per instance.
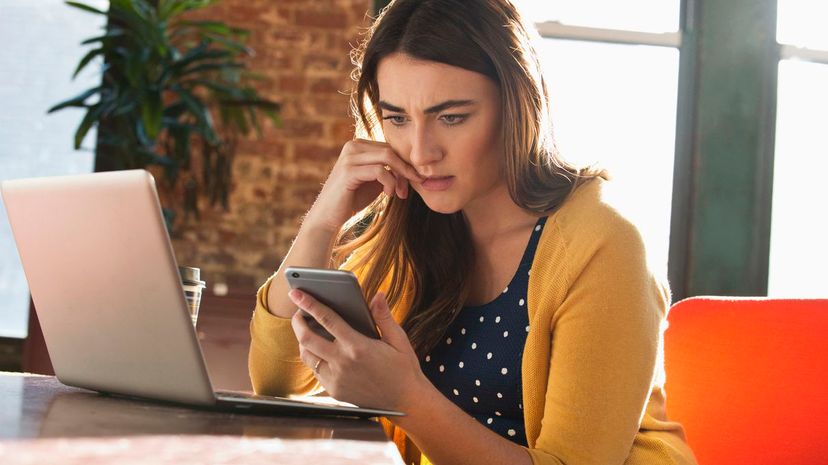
(165, 76)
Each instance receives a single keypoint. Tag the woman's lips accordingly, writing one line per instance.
(438, 183)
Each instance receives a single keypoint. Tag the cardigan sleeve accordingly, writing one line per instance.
(273, 360)
(605, 341)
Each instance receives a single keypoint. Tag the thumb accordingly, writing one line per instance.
(391, 332)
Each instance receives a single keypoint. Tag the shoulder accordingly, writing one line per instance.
(590, 242)
(592, 217)
(591, 231)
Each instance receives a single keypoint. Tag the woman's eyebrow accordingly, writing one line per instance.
(432, 109)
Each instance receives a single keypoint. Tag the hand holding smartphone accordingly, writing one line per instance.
(337, 289)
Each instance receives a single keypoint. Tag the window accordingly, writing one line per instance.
(41, 49)
(799, 224)
(633, 15)
(612, 73)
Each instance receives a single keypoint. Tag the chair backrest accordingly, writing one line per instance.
(748, 379)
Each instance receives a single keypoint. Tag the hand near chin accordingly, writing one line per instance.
(378, 373)
(363, 170)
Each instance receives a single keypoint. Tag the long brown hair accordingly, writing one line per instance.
(428, 254)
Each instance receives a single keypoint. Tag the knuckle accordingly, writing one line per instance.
(353, 354)
(303, 337)
(325, 320)
(347, 364)
(348, 150)
(359, 353)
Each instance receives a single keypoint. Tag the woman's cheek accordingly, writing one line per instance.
(392, 138)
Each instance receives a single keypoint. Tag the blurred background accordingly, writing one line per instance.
(710, 115)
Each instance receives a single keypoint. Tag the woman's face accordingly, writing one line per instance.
(444, 121)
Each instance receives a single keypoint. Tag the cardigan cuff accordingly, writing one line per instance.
(273, 333)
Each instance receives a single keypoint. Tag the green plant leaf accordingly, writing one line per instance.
(86, 60)
(132, 20)
(144, 10)
(212, 67)
(254, 119)
(151, 52)
(86, 8)
(168, 9)
(86, 124)
(197, 55)
(197, 108)
(76, 101)
(273, 116)
(234, 45)
(141, 135)
(221, 90)
(181, 148)
(239, 120)
(255, 76)
(216, 27)
(124, 107)
(151, 113)
(111, 34)
(153, 158)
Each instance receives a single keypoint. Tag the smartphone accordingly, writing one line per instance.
(337, 289)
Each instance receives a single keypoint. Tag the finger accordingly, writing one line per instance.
(402, 187)
(326, 317)
(309, 358)
(400, 166)
(377, 173)
(391, 331)
(310, 340)
(388, 157)
(399, 185)
(370, 142)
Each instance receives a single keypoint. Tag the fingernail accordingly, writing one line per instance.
(295, 295)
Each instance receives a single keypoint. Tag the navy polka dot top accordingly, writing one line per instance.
(477, 365)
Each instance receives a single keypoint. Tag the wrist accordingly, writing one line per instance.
(316, 226)
(415, 401)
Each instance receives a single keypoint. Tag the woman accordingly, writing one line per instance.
(519, 321)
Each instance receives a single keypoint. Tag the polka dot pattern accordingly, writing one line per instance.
(477, 364)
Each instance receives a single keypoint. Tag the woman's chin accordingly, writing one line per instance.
(441, 206)
(438, 202)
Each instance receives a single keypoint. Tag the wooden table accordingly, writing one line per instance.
(44, 422)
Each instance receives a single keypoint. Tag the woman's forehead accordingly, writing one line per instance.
(403, 79)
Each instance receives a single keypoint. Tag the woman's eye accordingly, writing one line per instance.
(452, 120)
(396, 120)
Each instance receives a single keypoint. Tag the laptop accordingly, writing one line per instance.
(108, 295)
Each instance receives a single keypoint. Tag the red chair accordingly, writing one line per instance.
(748, 379)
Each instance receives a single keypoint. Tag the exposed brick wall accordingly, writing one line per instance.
(302, 46)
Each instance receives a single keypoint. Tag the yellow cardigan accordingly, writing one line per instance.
(593, 374)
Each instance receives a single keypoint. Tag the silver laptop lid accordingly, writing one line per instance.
(105, 285)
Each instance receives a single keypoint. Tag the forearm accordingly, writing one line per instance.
(449, 436)
(311, 248)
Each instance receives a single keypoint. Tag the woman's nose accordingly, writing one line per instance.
(425, 150)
